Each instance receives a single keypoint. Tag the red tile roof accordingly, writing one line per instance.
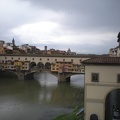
(103, 60)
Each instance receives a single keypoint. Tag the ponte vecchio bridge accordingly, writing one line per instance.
(24, 66)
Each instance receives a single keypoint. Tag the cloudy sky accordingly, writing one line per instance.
(84, 26)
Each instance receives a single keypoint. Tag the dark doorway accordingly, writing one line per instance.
(93, 117)
(112, 105)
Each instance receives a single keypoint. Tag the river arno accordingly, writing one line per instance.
(39, 99)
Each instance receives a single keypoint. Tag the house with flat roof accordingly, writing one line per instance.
(102, 88)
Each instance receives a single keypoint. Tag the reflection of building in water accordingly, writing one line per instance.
(102, 88)
(45, 95)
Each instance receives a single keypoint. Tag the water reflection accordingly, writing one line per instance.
(46, 79)
(39, 99)
(77, 81)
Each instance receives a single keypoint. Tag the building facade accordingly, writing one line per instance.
(68, 67)
(2, 51)
(115, 52)
(102, 88)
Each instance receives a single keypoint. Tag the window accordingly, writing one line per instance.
(118, 78)
(12, 63)
(80, 60)
(32, 58)
(63, 59)
(55, 59)
(18, 58)
(25, 58)
(48, 59)
(71, 60)
(95, 77)
(40, 59)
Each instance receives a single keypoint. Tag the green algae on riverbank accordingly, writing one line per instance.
(71, 116)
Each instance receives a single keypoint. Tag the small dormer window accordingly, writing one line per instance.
(95, 77)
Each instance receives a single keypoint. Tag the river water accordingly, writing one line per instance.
(40, 99)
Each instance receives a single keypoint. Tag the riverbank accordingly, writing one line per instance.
(71, 116)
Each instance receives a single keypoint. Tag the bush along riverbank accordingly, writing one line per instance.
(77, 114)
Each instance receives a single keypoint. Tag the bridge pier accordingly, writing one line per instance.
(20, 75)
(29, 76)
(62, 78)
(68, 79)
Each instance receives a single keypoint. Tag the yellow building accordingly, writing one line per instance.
(22, 65)
(14, 65)
(102, 88)
(60, 66)
(2, 51)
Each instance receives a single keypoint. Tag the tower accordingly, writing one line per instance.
(13, 42)
(45, 49)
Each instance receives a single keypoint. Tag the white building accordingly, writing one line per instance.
(8, 46)
(25, 47)
(115, 52)
(102, 88)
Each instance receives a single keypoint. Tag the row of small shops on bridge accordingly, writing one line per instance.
(58, 66)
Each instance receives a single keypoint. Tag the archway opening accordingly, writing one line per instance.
(48, 66)
(112, 105)
(40, 65)
(32, 64)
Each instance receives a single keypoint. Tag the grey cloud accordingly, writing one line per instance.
(80, 15)
(87, 14)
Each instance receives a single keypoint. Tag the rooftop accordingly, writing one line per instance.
(103, 60)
